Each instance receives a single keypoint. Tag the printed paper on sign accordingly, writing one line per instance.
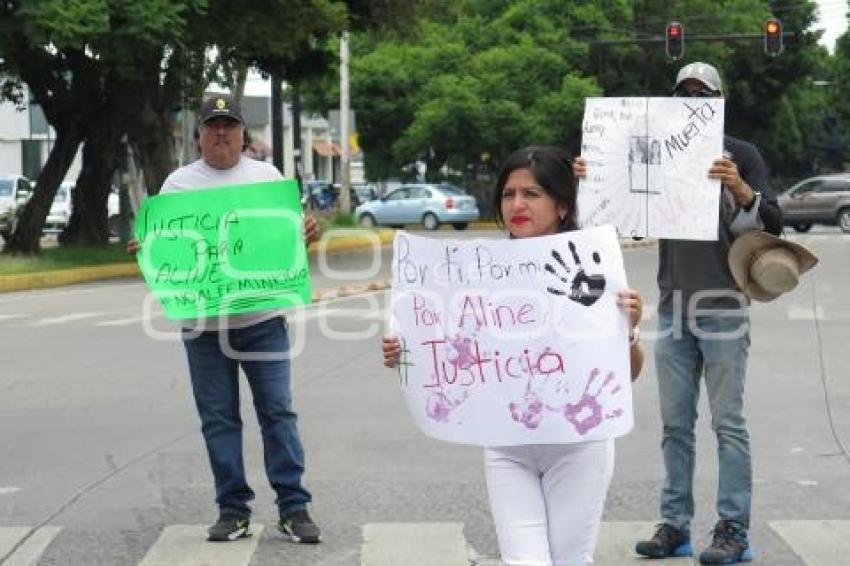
(648, 162)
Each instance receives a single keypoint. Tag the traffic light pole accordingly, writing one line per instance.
(705, 37)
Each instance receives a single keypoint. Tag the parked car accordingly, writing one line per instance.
(60, 210)
(318, 195)
(15, 191)
(824, 199)
(429, 204)
(361, 193)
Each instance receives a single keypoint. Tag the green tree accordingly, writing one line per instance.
(114, 72)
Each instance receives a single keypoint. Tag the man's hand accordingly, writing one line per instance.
(312, 231)
(727, 172)
(579, 167)
(133, 246)
(391, 347)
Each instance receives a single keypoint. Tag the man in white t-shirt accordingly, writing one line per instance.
(214, 369)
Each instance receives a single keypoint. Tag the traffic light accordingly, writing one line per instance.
(675, 40)
(772, 37)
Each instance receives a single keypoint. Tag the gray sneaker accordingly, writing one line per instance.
(299, 527)
(229, 527)
(729, 545)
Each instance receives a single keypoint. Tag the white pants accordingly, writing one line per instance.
(547, 500)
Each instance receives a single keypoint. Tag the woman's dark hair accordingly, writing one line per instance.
(552, 168)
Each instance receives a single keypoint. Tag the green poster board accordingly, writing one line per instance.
(225, 250)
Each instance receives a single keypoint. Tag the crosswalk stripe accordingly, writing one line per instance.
(29, 552)
(414, 544)
(9, 537)
(616, 544)
(818, 543)
(186, 545)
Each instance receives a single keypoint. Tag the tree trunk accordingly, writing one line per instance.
(102, 155)
(152, 138)
(26, 237)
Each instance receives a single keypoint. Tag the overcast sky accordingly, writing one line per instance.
(833, 19)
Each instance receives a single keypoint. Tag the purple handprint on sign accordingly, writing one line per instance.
(529, 411)
(440, 404)
(586, 414)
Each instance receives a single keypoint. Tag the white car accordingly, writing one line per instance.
(60, 210)
(15, 191)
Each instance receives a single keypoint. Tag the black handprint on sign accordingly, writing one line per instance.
(585, 289)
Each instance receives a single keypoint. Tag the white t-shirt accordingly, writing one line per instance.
(199, 175)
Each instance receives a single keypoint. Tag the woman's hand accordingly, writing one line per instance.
(579, 167)
(629, 300)
(392, 351)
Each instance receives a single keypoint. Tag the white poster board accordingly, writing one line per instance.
(648, 162)
(508, 342)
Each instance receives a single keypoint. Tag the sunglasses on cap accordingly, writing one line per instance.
(704, 92)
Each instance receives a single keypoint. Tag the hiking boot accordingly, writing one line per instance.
(666, 542)
(729, 545)
(229, 527)
(299, 527)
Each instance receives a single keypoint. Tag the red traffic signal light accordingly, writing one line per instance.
(772, 37)
(675, 40)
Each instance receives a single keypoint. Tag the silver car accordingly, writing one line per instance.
(428, 204)
(822, 200)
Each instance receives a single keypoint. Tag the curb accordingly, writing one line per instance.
(63, 277)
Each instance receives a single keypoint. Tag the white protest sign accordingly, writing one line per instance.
(508, 342)
(648, 162)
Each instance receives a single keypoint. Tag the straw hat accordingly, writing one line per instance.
(764, 266)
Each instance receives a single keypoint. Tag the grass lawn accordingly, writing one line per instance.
(52, 259)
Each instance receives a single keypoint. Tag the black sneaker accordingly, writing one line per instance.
(229, 527)
(666, 542)
(729, 545)
(299, 527)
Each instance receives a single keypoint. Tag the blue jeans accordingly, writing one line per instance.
(215, 384)
(716, 345)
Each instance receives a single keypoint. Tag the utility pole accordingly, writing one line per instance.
(296, 134)
(344, 110)
(277, 121)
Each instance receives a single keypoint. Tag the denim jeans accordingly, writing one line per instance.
(717, 346)
(215, 384)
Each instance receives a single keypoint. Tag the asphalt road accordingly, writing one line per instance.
(102, 463)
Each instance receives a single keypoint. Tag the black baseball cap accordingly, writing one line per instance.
(220, 105)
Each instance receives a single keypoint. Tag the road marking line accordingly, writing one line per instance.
(121, 321)
(11, 316)
(6, 490)
(805, 313)
(414, 544)
(65, 318)
(187, 545)
(29, 552)
(818, 543)
(616, 544)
